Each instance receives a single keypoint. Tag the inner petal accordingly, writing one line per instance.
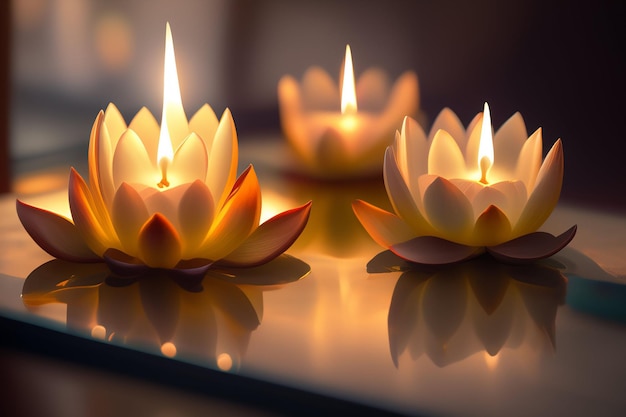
(131, 163)
(190, 161)
(445, 158)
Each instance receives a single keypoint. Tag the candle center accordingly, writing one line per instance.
(485, 146)
(348, 88)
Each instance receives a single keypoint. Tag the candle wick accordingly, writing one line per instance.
(485, 164)
(164, 182)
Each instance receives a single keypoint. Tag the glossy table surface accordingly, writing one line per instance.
(474, 339)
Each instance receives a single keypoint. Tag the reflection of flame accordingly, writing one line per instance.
(153, 311)
(450, 313)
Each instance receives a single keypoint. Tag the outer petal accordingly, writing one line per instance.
(190, 161)
(271, 238)
(430, 250)
(196, 211)
(129, 213)
(492, 227)
(236, 220)
(545, 195)
(411, 151)
(83, 214)
(159, 243)
(385, 228)
(448, 210)
(445, 158)
(401, 198)
(222, 168)
(532, 246)
(54, 234)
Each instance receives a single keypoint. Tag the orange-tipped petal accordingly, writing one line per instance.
(492, 227)
(190, 161)
(430, 250)
(159, 243)
(401, 198)
(445, 158)
(545, 195)
(83, 214)
(222, 164)
(237, 219)
(54, 234)
(128, 213)
(147, 128)
(448, 210)
(196, 212)
(385, 228)
(271, 238)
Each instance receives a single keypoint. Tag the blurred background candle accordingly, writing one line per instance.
(343, 132)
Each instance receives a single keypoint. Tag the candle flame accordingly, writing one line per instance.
(171, 101)
(348, 89)
(485, 147)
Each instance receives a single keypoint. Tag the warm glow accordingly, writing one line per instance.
(172, 102)
(348, 89)
(224, 361)
(485, 148)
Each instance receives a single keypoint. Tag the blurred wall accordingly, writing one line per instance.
(561, 65)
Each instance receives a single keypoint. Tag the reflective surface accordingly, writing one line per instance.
(477, 338)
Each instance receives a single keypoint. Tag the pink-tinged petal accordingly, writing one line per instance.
(147, 128)
(222, 167)
(237, 219)
(411, 151)
(270, 239)
(372, 90)
(385, 228)
(401, 198)
(83, 214)
(448, 120)
(159, 243)
(507, 144)
(54, 234)
(196, 211)
(448, 210)
(115, 123)
(430, 250)
(545, 195)
(492, 227)
(95, 180)
(131, 163)
(445, 159)
(319, 91)
(531, 247)
(473, 142)
(190, 161)
(129, 213)
(204, 123)
(529, 160)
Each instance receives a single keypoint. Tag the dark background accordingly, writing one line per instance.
(560, 65)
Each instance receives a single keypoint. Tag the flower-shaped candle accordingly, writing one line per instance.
(164, 198)
(457, 194)
(344, 142)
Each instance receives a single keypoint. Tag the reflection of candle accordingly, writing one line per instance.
(456, 194)
(165, 197)
(334, 136)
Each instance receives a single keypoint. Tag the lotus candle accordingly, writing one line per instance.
(164, 197)
(458, 193)
(344, 134)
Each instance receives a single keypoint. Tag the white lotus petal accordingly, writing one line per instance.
(196, 211)
(507, 144)
(492, 227)
(490, 196)
(128, 213)
(147, 128)
(445, 158)
(165, 202)
(131, 163)
(385, 228)
(104, 159)
(222, 167)
(115, 123)
(473, 142)
(159, 243)
(545, 195)
(94, 174)
(190, 161)
(529, 160)
(411, 151)
(448, 120)
(204, 122)
(448, 210)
